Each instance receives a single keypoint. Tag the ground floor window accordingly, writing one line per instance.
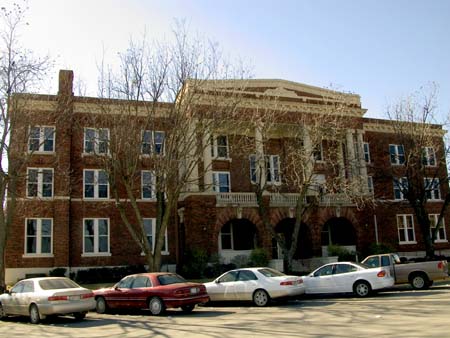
(38, 239)
(405, 226)
(441, 236)
(96, 236)
(239, 234)
(150, 230)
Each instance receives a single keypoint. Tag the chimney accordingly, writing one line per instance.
(65, 83)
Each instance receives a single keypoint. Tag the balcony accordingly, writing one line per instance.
(242, 199)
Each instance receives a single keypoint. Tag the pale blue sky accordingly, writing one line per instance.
(378, 49)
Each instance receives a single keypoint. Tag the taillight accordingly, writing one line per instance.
(87, 295)
(289, 282)
(441, 265)
(56, 298)
(292, 282)
(382, 273)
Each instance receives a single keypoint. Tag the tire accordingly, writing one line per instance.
(2, 312)
(100, 305)
(35, 317)
(187, 308)
(156, 306)
(362, 289)
(261, 298)
(79, 315)
(419, 281)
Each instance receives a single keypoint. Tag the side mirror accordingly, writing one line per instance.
(217, 281)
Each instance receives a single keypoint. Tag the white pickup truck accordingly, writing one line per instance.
(420, 275)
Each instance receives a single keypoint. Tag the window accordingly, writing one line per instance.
(253, 171)
(152, 142)
(96, 141)
(220, 147)
(400, 187)
(366, 152)
(96, 236)
(428, 156)
(148, 184)
(318, 152)
(370, 184)
(441, 235)
(432, 188)
(221, 181)
(38, 237)
(150, 230)
(405, 226)
(344, 268)
(40, 182)
(397, 154)
(96, 184)
(273, 169)
(226, 237)
(41, 139)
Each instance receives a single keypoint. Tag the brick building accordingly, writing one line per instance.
(67, 218)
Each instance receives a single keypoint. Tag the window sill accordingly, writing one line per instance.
(96, 199)
(96, 254)
(441, 241)
(407, 243)
(38, 256)
(94, 154)
(164, 253)
(35, 198)
(41, 152)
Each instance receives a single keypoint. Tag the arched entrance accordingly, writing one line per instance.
(338, 231)
(304, 242)
(237, 237)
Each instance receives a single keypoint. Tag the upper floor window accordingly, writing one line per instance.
(432, 188)
(96, 184)
(96, 236)
(40, 182)
(318, 152)
(441, 235)
(152, 142)
(220, 147)
(41, 139)
(366, 152)
(96, 141)
(397, 154)
(150, 230)
(38, 236)
(148, 184)
(428, 156)
(221, 181)
(370, 188)
(273, 169)
(405, 226)
(400, 187)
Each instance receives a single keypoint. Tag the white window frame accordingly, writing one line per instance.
(40, 182)
(370, 186)
(216, 181)
(403, 181)
(42, 139)
(273, 170)
(366, 150)
(95, 184)
(152, 145)
(433, 222)
(318, 152)
(165, 249)
(97, 141)
(152, 184)
(231, 239)
(96, 236)
(397, 158)
(215, 147)
(429, 156)
(402, 226)
(253, 169)
(432, 188)
(39, 238)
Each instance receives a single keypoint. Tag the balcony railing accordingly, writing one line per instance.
(247, 199)
(283, 200)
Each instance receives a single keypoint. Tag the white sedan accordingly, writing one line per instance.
(347, 277)
(259, 285)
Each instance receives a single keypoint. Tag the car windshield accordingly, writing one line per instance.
(271, 272)
(61, 283)
(170, 279)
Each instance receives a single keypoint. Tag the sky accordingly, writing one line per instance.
(381, 50)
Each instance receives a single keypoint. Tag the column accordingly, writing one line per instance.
(351, 154)
(362, 161)
(207, 161)
(260, 161)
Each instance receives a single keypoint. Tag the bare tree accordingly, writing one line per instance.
(421, 171)
(20, 72)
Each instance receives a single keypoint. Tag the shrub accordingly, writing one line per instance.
(259, 257)
(105, 275)
(342, 253)
(57, 272)
(196, 262)
(380, 248)
(241, 261)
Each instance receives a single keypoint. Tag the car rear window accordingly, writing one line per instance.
(170, 279)
(51, 284)
(271, 272)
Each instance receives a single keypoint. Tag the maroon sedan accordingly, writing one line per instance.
(155, 291)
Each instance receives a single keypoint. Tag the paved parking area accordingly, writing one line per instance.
(405, 313)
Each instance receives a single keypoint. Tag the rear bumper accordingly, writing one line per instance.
(66, 308)
(179, 302)
(287, 292)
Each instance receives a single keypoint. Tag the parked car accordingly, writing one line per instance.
(347, 277)
(420, 275)
(40, 297)
(259, 285)
(155, 291)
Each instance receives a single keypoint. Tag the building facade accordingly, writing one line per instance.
(67, 217)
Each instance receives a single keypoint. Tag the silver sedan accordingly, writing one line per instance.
(39, 297)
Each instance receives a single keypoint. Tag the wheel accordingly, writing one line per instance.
(2, 312)
(100, 305)
(79, 315)
(261, 297)
(35, 317)
(156, 306)
(362, 288)
(419, 281)
(188, 308)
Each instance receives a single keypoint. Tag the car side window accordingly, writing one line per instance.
(246, 275)
(385, 261)
(18, 288)
(344, 268)
(125, 283)
(372, 262)
(28, 287)
(325, 271)
(141, 282)
(229, 277)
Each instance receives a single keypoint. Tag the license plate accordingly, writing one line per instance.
(194, 291)
(77, 297)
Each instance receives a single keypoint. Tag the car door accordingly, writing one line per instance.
(321, 281)
(120, 296)
(224, 288)
(140, 290)
(10, 301)
(246, 284)
(344, 276)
